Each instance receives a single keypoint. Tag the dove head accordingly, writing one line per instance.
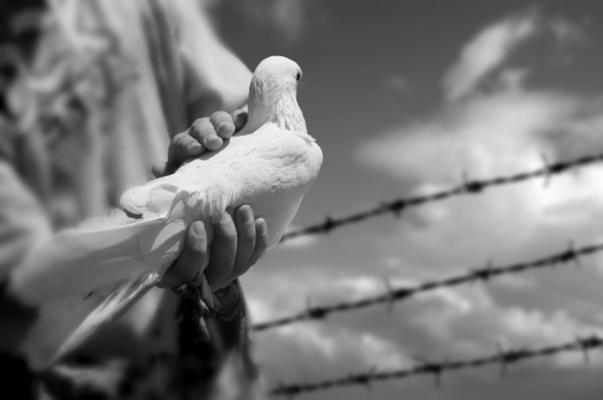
(278, 73)
(272, 94)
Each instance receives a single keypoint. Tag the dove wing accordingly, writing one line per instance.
(65, 322)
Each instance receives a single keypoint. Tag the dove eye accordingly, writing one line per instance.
(298, 76)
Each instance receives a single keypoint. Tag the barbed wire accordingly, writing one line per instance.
(468, 187)
(503, 357)
(392, 295)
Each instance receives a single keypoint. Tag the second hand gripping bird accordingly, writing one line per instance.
(88, 275)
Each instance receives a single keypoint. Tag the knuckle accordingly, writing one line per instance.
(226, 129)
(244, 215)
(180, 145)
(223, 123)
(228, 123)
(248, 228)
(199, 122)
(219, 117)
(227, 228)
(262, 230)
(230, 235)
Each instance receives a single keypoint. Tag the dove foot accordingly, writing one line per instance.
(198, 302)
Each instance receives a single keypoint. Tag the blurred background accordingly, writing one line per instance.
(409, 97)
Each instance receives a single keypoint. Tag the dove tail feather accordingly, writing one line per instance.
(85, 276)
(64, 323)
(80, 260)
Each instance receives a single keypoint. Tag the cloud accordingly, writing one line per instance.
(489, 134)
(323, 350)
(508, 130)
(471, 323)
(487, 51)
(498, 134)
(480, 134)
(313, 285)
(335, 344)
(492, 46)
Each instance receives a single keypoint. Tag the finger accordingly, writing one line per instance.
(223, 252)
(193, 259)
(203, 131)
(261, 240)
(240, 119)
(223, 124)
(182, 147)
(245, 225)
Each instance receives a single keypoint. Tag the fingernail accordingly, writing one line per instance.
(198, 228)
(225, 130)
(199, 241)
(244, 213)
(196, 147)
(224, 219)
(214, 142)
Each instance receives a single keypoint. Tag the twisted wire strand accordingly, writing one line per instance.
(392, 295)
(468, 187)
(504, 358)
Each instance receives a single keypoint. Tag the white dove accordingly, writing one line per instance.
(86, 276)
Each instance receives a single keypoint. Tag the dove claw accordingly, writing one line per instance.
(207, 296)
(199, 294)
(204, 335)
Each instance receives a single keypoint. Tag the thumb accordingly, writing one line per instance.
(193, 260)
(239, 118)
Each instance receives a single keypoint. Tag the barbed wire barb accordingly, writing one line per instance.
(584, 349)
(504, 357)
(391, 297)
(547, 167)
(575, 256)
(502, 351)
(467, 187)
(397, 294)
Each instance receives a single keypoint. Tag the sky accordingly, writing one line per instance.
(407, 97)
